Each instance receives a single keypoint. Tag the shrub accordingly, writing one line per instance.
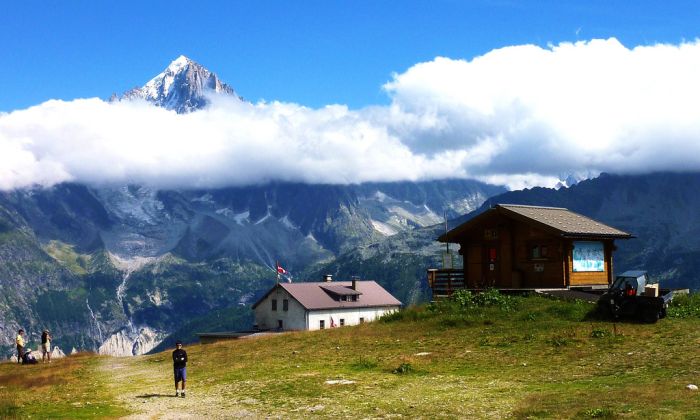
(598, 413)
(403, 369)
(685, 306)
(598, 333)
(464, 298)
(363, 364)
(559, 341)
(487, 298)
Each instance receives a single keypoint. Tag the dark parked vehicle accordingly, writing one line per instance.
(632, 296)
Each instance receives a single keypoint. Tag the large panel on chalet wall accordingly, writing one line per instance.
(587, 278)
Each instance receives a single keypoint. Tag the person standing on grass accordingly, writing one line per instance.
(20, 345)
(180, 368)
(46, 346)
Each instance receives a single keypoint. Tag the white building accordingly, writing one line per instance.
(320, 305)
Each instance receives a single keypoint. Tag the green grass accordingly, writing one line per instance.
(515, 357)
(69, 388)
(67, 256)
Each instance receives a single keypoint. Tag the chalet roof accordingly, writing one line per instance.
(315, 295)
(557, 220)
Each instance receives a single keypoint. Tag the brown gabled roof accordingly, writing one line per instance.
(556, 220)
(312, 296)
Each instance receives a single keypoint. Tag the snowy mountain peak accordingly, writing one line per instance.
(178, 64)
(181, 87)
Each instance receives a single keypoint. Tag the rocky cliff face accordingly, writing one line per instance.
(131, 342)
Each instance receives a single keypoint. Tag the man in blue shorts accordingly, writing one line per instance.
(180, 368)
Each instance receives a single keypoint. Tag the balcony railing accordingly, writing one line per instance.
(445, 281)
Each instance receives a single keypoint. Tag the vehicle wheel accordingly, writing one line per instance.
(651, 316)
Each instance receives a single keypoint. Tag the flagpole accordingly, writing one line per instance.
(277, 264)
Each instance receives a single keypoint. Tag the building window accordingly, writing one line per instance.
(362, 320)
(344, 298)
(285, 305)
(279, 324)
(322, 324)
(274, 304)
(539, 252)
(354, 298)
(342, 321)
(490, 234)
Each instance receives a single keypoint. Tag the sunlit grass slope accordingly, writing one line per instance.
(490, 357)
(73, 387)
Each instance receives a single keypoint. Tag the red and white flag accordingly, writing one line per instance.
(280, 270)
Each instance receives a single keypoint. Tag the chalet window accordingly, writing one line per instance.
(274, 304)
(285, 305)
(322, 324)
(362, 320)
(539, 252)
(344, 298)
(491, 234)
(342, 321)
(354, 298)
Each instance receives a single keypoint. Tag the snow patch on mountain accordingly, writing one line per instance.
(136, 204)
(206, 198)
(288, 223)
(384, 228)
(267, 216)
(467, 204)
(242, 218)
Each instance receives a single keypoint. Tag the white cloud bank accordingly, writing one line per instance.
(519, 115)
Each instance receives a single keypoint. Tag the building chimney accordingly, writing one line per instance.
(354, 282)
(328, 278)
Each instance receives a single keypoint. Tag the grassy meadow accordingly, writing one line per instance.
(474, 357)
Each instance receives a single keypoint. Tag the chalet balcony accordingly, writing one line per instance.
(445, 281)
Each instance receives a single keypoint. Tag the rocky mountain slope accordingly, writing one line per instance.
(118, 269)
(659, 209)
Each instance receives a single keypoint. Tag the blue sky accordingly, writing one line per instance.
(516, 93)
(310, 52)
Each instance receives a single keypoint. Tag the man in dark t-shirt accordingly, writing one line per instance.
(180, 368)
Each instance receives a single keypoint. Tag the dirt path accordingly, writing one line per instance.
(146, 390)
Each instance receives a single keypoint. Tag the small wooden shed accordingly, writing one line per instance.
(528, 247)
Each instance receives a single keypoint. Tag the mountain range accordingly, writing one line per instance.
(119, 269)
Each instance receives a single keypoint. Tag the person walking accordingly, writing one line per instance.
(20, 345)
(46, 346)
(180, 368)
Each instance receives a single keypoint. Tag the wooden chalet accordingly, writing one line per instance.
(528, 247)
